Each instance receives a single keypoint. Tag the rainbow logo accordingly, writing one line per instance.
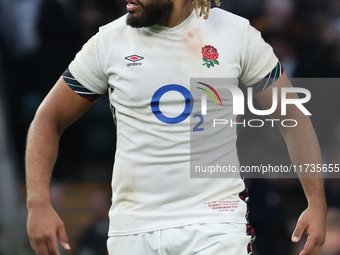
(209, 93)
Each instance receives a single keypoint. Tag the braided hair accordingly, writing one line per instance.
(204, 6)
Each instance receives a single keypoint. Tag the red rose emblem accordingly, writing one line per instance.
(210, 56)
(209, 52)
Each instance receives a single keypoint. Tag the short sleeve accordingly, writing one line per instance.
(258, 59)
(88, 68)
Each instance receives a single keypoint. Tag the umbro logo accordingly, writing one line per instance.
(134, 59)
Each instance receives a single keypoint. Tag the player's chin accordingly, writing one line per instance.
(135, 14)
(136, 19)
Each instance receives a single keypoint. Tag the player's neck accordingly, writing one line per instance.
(181, 11)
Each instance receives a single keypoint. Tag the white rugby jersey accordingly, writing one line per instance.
(151, 183)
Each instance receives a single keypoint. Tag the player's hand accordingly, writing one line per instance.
(43, 228)
(313, 222)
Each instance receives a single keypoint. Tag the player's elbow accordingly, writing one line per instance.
(47, 120)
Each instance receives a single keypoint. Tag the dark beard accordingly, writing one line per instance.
(153, 13)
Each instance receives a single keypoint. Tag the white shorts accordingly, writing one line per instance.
(200, 239)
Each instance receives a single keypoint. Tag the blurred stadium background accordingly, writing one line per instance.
(38, 39)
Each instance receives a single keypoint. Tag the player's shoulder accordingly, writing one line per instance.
(224, 19)
(118, 25)
(115, 29)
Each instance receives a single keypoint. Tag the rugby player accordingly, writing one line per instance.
(156, 207)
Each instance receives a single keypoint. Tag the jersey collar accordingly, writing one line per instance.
(188, 22)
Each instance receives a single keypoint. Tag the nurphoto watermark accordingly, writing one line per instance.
(218, 109)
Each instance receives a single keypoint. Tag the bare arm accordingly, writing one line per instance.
(303, 147)
(60, 109)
